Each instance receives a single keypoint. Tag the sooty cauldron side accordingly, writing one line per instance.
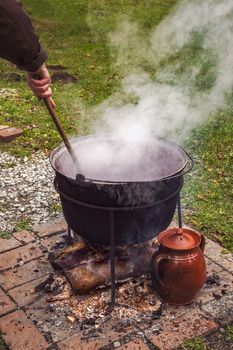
(142, 209)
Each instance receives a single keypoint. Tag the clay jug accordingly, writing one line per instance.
(178, 267)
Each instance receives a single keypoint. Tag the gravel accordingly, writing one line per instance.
(27, 195)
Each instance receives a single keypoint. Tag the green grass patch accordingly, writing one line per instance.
(5, 235)
(229, 333)
(3, 345)
(23, 224)
(208, 192)
(194, 344)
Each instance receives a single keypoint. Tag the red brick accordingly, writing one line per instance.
(49, 242)
(136, 344)
(174, 311)
(20, 334)
(25, 294)
(23, 274)
(75, 343)
(38, 313)
(10, 134)
(108, 336)
(2, 127)
(8, 244)
(174, 332)
(6, 304)
(25, 253)
(54, 226)
(24, 236)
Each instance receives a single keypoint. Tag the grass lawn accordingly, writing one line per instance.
(208, 192)
(75, 35)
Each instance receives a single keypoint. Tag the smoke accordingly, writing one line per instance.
(175, 79)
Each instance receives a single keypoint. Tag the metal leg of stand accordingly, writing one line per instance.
(179, 211)
(113, 249)
(70, 238)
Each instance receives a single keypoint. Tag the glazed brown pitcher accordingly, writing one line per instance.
(178, 267)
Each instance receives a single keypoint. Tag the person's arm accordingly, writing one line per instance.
(20, 45)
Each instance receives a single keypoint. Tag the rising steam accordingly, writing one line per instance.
(172, 82)
(178, 78)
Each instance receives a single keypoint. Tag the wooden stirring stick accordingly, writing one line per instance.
(49, 105)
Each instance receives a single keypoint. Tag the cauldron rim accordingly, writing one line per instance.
(110, 136)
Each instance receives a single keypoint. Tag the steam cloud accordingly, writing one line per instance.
(190, 53)
(172, 82)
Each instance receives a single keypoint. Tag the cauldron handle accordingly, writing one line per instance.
(183, 172)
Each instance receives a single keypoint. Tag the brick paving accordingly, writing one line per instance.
(22, 274)
(189, 325)
(20, 334)
(25, 253)
(24, 236)
(25, 322)
(6, 304)
(8, 244)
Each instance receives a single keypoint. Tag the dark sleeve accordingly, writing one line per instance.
(18, 41)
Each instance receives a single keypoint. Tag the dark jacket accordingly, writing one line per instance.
(18, 41)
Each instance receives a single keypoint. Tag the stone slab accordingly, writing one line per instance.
(221, 310)
(20, 334)
(6, 304)
(24, 253)
(212, 267)
(214, 291)
(219, 255)
(169, 334)
(23, 274)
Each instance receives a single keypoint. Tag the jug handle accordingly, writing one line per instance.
(202, 243)
(156, 260)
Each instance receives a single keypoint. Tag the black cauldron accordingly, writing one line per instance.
(141, 197)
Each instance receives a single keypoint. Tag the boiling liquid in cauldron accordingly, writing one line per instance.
(113, 160)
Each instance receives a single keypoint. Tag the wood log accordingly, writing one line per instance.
(92, 274)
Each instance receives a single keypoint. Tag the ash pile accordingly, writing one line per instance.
(80, 286)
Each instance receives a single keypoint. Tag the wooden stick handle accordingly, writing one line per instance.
(65, 139)
(49, 103)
